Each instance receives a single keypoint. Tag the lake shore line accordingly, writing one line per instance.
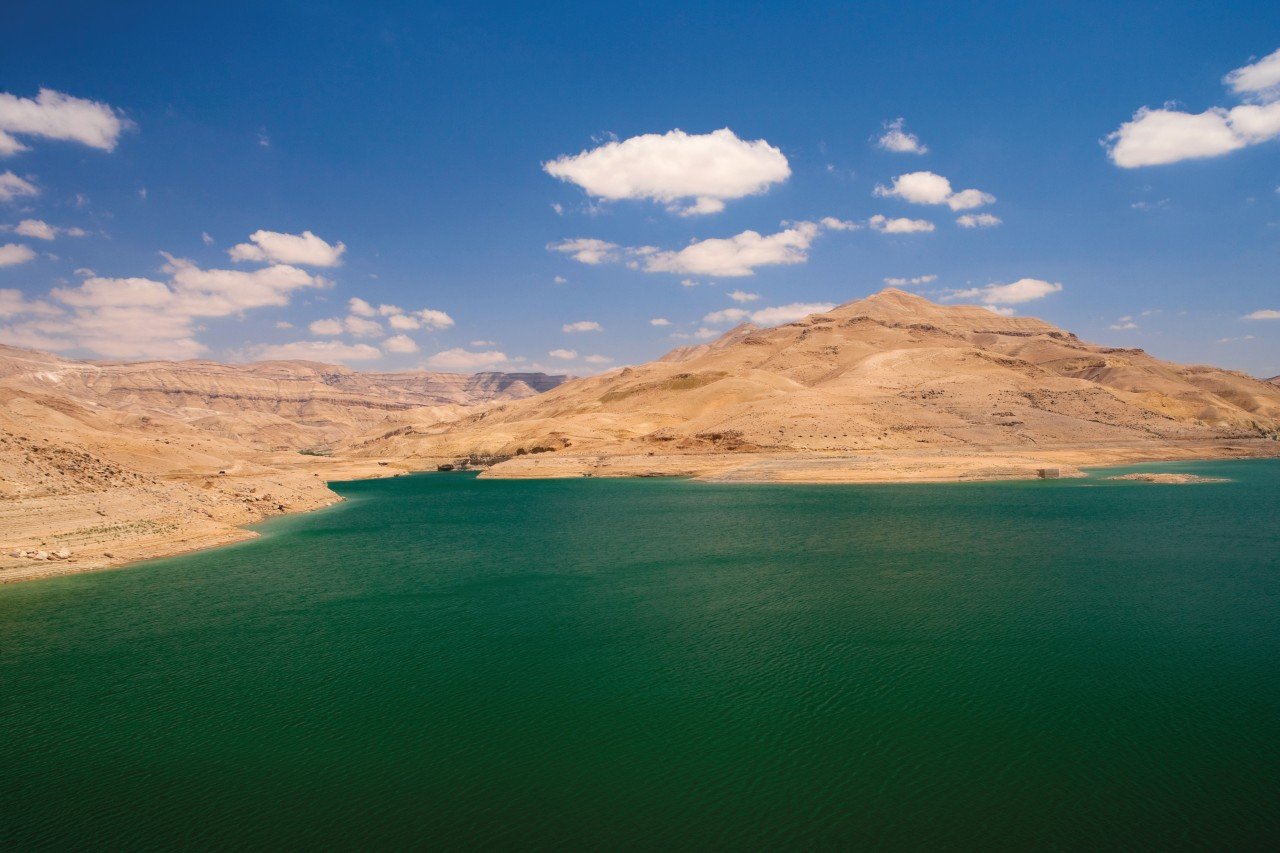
(120, 527)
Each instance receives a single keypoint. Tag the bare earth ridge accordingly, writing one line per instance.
(892, 387)
(115, 462)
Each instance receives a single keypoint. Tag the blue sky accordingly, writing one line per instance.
(413, 143)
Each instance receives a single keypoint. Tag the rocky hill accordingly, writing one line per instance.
(889, 387)
(119, 460)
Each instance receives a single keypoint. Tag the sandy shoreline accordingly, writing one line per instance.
(119, 527)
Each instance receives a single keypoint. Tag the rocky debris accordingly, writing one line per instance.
(41, 554)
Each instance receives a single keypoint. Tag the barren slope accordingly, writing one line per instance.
(117, 461)
(890, 376)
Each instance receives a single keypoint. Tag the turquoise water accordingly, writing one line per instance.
(451, 662)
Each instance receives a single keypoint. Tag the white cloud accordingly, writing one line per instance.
(1124, 324)
(743, 296)
(331, 326)
(433, 319)
(726, 315)
(833, 224)
(205, 238)
(587, 250)
(908, 282)
(659, 321)
(387, 310)
(564, 354)
(403, 322)
(900, 225)
(582, 326)
(1263, 314)
(12, 254)
(484, 343)
(12, 186)
(283, 324)
(1259, 78)
(1155, 137)
(53, 115)
(362, 327)
(769, 316)
(14, 303)
(39, 230)
(705, 334)
(736, 256)
(400, 344)
(560, 280)
(360, 308)
(36, 229)
(978, 220)
(598, 359)
(306, 249)
(1014, 293)
(728, 257)
(789, 313)
(932, 188)
(675, 167)
(144, 318)
(324, 351)
(460, 359)
(896, 139)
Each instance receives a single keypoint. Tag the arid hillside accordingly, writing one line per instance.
(891, 377)
(116, 461)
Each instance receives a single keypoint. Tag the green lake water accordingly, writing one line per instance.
(449, 662)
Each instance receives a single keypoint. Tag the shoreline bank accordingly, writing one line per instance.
(120, 528)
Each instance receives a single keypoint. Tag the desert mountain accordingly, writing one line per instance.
(146, 458)
(889, 378)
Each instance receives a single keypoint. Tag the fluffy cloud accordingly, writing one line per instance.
(1156, 137)
(305, 249)
(39, 230)
(900, 225)
(461, 359)
(1260, 78)
(727, 257)
(743, 296)
(587, 250)
(1014, 293)
(14, 303)
(582, 326)
(736, 256)
(400, 344)
(1124, 324)
(978, 220)
(53, 115)
(324, 351)
(144, 318)
(674, 168)
(398, 318)
(833, 224)
(11, 187)
(774, 316)
(908, 282)
(1263, 314)
(932, 188)
(430, 318)
(659, 321)
(12, 254)
(726, 315)
(896, 139)
(564, 354)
